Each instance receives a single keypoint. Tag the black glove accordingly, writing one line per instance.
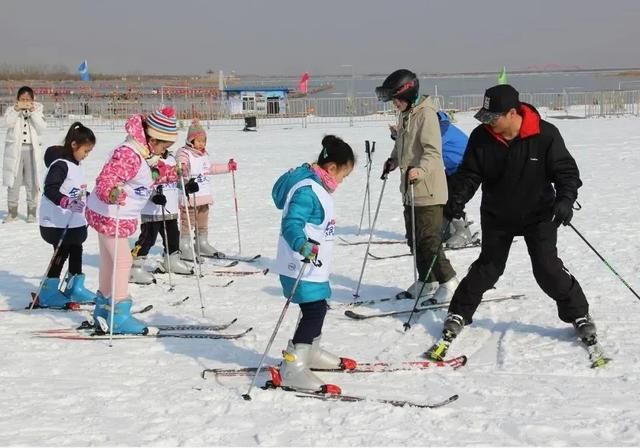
(454, 209)
(159, 199)
(191, 186)
(389, 166)
(562, 211)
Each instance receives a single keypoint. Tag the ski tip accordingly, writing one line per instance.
(463, 361)
(353, 315)
(246, 397)
(146, 308)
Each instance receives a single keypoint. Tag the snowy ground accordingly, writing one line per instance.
(527, 381)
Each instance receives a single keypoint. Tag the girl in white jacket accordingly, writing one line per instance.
(23, 152)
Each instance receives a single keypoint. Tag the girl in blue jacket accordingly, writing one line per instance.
(307, 231)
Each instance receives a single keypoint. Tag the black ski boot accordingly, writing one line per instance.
(453, 325)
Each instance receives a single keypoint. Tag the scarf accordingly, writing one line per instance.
(327, 179)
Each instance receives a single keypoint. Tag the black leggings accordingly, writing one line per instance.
(149, 233)
(70, 248)
(310, 325)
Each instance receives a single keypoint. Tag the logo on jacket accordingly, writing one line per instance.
(200, 178)
(330, 230)
(291, 267)
(76, 192)
(142, 191)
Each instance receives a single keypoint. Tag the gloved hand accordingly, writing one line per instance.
(117, 196)
(310, 250)
(75, 205)
(232, 165)
(562, 211)
(191, 186)
(159, 199)
(389, 166)
(454, 209)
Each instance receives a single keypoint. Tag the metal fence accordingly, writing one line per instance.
(304, 112)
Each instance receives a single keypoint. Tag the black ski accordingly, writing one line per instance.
(423, 307)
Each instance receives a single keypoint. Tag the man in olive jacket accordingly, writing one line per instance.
(418, 154)
(529, 184)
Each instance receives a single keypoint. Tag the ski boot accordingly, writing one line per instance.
(425, 289)
(31, 214)
(207, 250)
(177, 265)
(460, 234)
(453, 325)
(50, 296)
(12, 215)
(586, 331)
(75, 290)
(123, 321)
(138, 273)
(102, 309)
(185, 250)
(321, 359)
(445, 291)
(295, 372)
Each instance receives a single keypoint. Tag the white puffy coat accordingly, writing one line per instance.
(15, 121)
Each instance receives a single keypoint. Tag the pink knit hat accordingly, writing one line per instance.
(195, 130)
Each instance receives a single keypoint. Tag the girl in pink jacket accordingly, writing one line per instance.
(122, 189)
(194, 159)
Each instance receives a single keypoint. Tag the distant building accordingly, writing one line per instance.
(257, 101)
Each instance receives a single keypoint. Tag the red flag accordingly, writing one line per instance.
(303, 85)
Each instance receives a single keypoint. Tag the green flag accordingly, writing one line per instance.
(502, 77)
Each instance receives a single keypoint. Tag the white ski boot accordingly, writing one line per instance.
(177, 265)
(295, 371)
(460, 234)
(428, 289)
(206, 249)
(138, 273)
(321, 359)
(445, 291)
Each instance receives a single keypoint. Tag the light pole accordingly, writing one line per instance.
(352, 93)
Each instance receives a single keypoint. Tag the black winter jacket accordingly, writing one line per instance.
(57, 173)
(518, 176)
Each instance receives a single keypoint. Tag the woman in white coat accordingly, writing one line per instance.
(23, 153)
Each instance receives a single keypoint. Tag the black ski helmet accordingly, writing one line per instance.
(402, 84)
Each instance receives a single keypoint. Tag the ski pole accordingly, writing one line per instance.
(367, 195)
(407, 324)
(305, 263)
(55, 254)
(413, 240)
(604, 261)
(114, 271)
(373, 148)
(235, 201)
(193, 250)
(373, 225)
(166, 249)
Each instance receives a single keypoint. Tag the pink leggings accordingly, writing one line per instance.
(122, 266)
(202, 221)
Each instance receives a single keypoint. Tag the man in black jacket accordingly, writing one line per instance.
(529, 184)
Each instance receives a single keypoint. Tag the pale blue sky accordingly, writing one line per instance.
(288, 37)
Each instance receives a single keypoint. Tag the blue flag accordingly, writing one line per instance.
(83, 69)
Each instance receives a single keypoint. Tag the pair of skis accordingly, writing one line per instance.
(88, 332)
(373, 367)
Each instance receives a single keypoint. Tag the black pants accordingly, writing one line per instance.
(70, 248)
(428, 243)
(310, 325)
(149, 233)
(548, 270)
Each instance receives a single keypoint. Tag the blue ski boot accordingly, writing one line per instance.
(124, 322)
(50, 296)
(102, 309)
(75, 290)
